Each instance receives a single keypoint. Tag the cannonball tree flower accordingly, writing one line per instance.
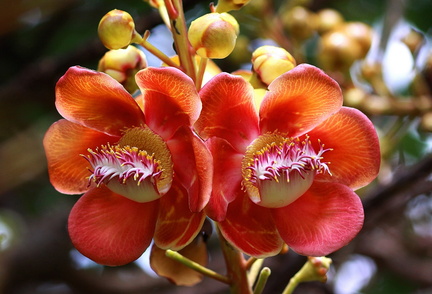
(286, 173)
(144, 173)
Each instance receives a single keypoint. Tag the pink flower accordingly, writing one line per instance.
(144, 173)
(287, 173)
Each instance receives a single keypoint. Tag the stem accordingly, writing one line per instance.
(155, 51)
(293, 283)
(201, 71)
(254, 267)
(196, 266)
(181, 41)
(236, 268)
(262, 280)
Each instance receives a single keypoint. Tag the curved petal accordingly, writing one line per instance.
(299, 100)
(228, 111)
(321, 221)
(355, 158)
(170, 99)
(192, 166)
(95, 100)
(227, 177)
(177, 226)
(176, 272)
(64, 142)
(111, 229)
(250, 228)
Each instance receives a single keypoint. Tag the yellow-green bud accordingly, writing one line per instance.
(123, 64)
(228, 5)
(328, 19)
(117, 29)
(359, 32)
(214, 35)
(269, 62)
(300, 22)
(337, 51)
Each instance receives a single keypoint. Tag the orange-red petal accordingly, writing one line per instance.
(111, 229)
(176, 272)
(228, 111)
(321, 221)
(64, 142)
(192, 166)
(299, 100)
(177, 226)
(250, 228)
(170, 99)
(97, 101)
(355, 158)
(227, 177)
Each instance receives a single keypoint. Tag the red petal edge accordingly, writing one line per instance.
(95, 100)
(324, 219)
(192, 166)
(170, 99)
(64, 142)
(111, 229)
(355, 158)
(227, 177)
(250, 228)
(299, 100)
(177, 225)
(228, 111)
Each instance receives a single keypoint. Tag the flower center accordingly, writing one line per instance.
(139, 167)
(278, 170)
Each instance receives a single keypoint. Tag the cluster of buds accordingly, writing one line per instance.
(341, 46)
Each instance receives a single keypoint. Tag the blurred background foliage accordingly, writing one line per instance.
(40, 39)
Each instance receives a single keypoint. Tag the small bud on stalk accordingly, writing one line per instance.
(228, 5)
(269, 62)
(214, 35)
(300, 22)
(328, 19)
(123, 64)
(117, 30)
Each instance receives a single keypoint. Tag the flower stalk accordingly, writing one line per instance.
(180, 36)
(196, 266)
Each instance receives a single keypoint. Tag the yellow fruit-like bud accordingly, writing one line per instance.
(214, 35)
(269, 62)
(337, 51)
(300, 22)
(117, 29)
(328, 19)
(360, 32)
(123, 64)
(228, 5)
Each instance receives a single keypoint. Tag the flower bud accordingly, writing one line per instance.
(315, 269)
(360, 33)
(214, 35)
(117, 29)
(123, 64)
(300, 22)
(337, 51)
(228, 5)
(328, 19)
(269, 62)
